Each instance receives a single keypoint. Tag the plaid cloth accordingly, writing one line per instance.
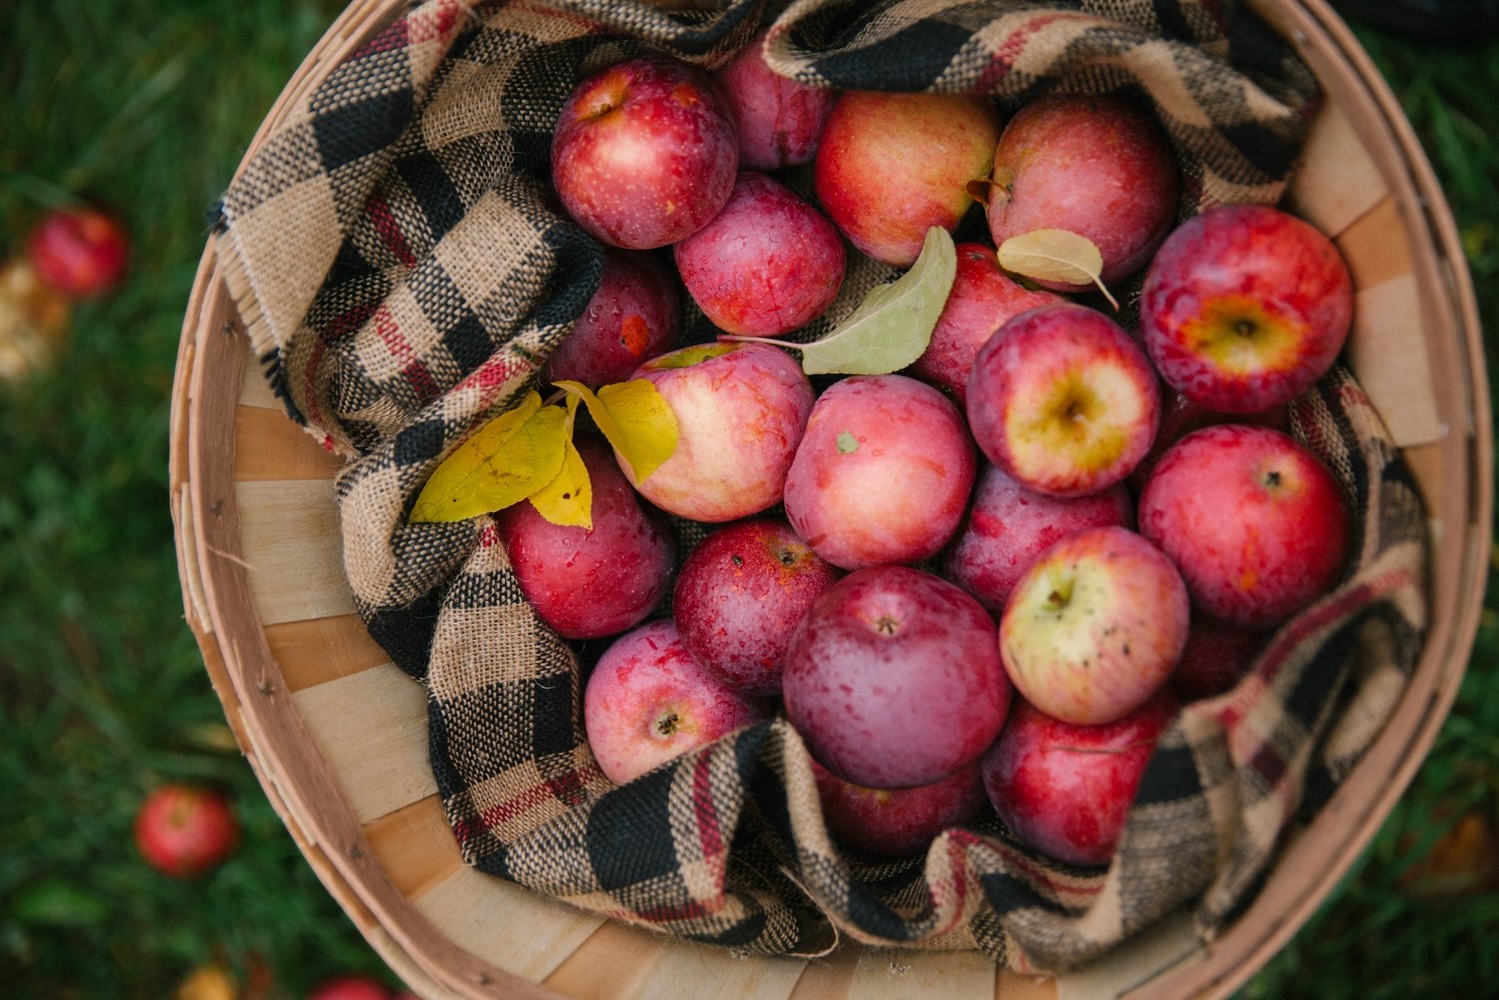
(397, 257)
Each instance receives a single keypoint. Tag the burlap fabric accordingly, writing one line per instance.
(403, 273)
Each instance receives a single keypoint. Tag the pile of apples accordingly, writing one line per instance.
(999, 574)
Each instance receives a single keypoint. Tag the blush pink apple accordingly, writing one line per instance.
(1245, 307)
(1063, 400)
(768, 263)
(898, 822)
(982, 299)
(893, 679)
(1096, 166)
(1066, 789)
(636, 314)
(892, 165)
(1095, 626)
(1008, 526)
(589, 583)
(648, 701)
(1257, 524)
(79, 253)
(184, 831)
(739, 596)
(644, 153)
(740, 410)
(1216, 657)
(780, 121)
(882, 474)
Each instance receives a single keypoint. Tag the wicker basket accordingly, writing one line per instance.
(337, 734)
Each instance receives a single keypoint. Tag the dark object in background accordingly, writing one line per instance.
(1448, 20)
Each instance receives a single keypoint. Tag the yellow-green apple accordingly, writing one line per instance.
(893, 679)
(1256, 523)
(982, 299)
(79, 253)
(1066, 789)
(1063, 400)
(644, 153)
(741, 593)
(591, 582)
(882, 474)
(635, 314)
(1095, 626)
(768, 263)
(898, 822)
(1245, 307)
(184, 830)
(648, 701)
(740, 410)
(1008, 526)
(1216, 657)
(1096, 166)
(780, 121)
(892, 165)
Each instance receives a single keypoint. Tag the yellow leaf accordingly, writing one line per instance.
(568, 499)
(635, 418)
(1055, 255)
(507, 460)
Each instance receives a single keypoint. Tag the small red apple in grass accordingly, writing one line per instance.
(644, 153)
(1256, 523)
(768, 263)
(185, 831)
(1095, 626)
(897, 822)
(648, 700)
(893, 679)
(1066, 789)
(1245, 307)
(636, 314)
(350, 987)
(1216, 657)
(740, 595)
(79, 252)
(892, 165)
(1063, 400)
(780, 121)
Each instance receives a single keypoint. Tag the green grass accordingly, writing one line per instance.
(147, 107)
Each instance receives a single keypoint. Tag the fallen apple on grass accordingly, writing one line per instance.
(79, 252)
(185, 831)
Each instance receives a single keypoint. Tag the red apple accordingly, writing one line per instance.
(1256, 523)
(740, 595)
(588, 583)
(893, 679)
(648, 701)
(1096, 166)
(882, 474)
(350, 987)
(1216, 657)
(1063, 400)
(740, 410)
(898, 821)
(780, 121)
(1245, 307)
(644, 153)
(1095, 626)
(79, 252)
(185, 831)
(768, 263)
(982, 299)
(1066, 789)
(892, 165)
(1180, 417)
(636, 314)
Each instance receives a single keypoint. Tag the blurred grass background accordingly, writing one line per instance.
(146, 106)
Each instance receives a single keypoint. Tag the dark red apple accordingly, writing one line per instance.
(898, 821)
(780, 121)
(350, 987)
(636, 314)
(1216, 657)
(184, 831)
(79, 252)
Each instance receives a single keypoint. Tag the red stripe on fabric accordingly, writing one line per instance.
(435, 23)
(709, 837)
(392, 38)
(489, 536)
(1002, 62)
(567, 788)
(390, 232)
(467, 829)
(1268, 764)
(681, 911)
(419, 377)
(492, 374)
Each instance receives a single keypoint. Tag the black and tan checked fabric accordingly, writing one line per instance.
(403, 271)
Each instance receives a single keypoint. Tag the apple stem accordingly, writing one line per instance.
(736, 338)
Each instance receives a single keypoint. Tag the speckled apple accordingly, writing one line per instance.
(591, 583)
(767, 264)
(644, 153)
(882, 474)
(1095, 626)
(1063, 400)
(1257, 524)
(741, 409)
(1066, 789)
(1216, 657)
(893, 679)
(1097, 166)
(898, 822)
(1245, 307)
(892, 165)
(780, 121)
(648, 701)
(1008, 526)
(739, 596)
(982, 299)
(636, 314)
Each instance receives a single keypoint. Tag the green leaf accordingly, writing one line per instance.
(636, 419)
(568, 499)
(507, 460)
(57, 903)
(1055, 255)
